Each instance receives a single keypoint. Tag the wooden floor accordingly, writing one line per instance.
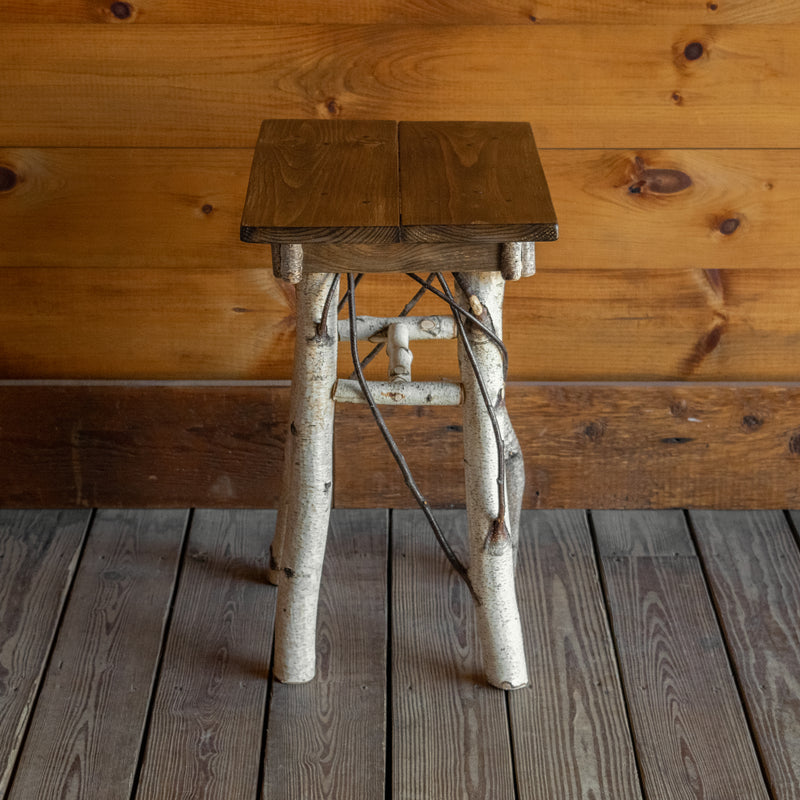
(135, 652)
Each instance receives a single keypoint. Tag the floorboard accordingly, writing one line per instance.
(449, 728)
(753, 564)
(691, 734)
(570, 730)
(135, 661)
(206, 731)
(87, 728)
(39, 551)
(327, 738)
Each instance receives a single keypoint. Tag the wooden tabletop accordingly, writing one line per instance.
(378, 182)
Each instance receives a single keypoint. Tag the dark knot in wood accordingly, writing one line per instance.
(8, 179)
(752, 422)
(794, 444)
(729, 226)
(693, 51)
(594, 431)
(121, 10)
(657, 181)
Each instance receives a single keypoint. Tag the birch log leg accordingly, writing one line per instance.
(308, 483)
(491, 545)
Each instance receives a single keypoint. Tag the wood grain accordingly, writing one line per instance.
(234, 324)
(146, 324)
(691, 734)
(323, 180)
(144, 446)
(618, 209)
(449, 730)
(327, 738)
(208, 712)
(597, 446)
(402, 257)
(487, 12)
(122, 207)
(38, 555)
(85, 736)
(570, 732)
(473, 181)
(585, 446)
(753, 564)
(582, 85)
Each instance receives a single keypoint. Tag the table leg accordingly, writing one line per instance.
(492, 543)
(307, 491)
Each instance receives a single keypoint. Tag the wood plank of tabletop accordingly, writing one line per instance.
(476, 181)
(753, 564)
(689, 728)
(39, 552)
(86, 732)
(323, 180)
(398, 12)
(449, 727)
(570, 731)
(208, 713)
(327, 738)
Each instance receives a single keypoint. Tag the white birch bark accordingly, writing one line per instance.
(389, 393)
(287, 262)
(308, 483)
(517, 260)
(400, 355)
(491, 545)
(375, 329)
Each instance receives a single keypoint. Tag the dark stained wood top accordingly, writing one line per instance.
(324, 181)
(377, 182)
(474, 181)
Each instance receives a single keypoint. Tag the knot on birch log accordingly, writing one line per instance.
(499, 539)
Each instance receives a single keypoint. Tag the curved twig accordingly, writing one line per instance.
(398, 456)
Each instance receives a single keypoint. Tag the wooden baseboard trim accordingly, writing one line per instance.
(220, 444)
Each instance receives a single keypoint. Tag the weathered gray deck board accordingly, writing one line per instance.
(753, 564)
(87, 728)
(79, 659)
(449, 728)
(690, 731)
(327, 738)
(39, 551)
(206, 730)
(570, 731)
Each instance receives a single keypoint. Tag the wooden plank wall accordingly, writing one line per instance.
(667, 131)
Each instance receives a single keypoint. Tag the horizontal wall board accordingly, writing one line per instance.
(498, 12)
(580, 85)
(238, 324)
(145, 324)
(585, 446)
(126, 207)
(597, 446)
(617, 209)
(140, 445)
